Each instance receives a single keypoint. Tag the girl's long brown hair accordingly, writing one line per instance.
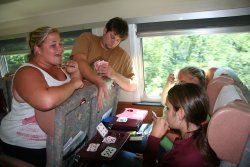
(194, 100)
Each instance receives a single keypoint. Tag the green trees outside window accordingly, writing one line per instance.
(14, 61)
(165, 54)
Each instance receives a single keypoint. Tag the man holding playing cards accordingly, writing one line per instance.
(101, 56)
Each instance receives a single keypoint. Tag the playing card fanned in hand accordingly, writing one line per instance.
(99, 63)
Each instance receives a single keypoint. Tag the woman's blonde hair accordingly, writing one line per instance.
(37, 38)
(196, 72)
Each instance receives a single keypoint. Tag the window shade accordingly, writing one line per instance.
(237, 23)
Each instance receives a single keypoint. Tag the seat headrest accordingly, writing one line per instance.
(228, 131)
(214, 87)
(228, 94)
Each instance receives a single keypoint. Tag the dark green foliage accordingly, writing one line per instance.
(163, 55)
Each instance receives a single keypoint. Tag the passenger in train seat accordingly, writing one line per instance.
(102, 56)
(187, 110)
(189, 74)
(39, 85)
(188, 106)
(215, 72)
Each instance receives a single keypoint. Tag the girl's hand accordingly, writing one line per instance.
(160, 127)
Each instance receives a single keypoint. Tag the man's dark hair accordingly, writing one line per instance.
(119, 26)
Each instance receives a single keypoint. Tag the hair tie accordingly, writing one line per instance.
(204, 122)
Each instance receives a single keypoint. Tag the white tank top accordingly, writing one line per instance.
(19, 127)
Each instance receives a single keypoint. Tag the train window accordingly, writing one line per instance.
(14, 51)
(9, 63)
(168, 50)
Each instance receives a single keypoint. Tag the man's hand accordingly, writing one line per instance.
(102, 92)
(106, 71)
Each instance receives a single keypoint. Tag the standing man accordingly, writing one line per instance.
(103, 54)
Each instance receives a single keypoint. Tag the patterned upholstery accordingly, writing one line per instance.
(77, 116)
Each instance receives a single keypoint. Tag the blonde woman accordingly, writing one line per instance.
(38, 87)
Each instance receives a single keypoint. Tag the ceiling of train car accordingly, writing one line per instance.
(11, 10)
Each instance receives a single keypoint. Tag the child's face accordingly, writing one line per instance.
(171, 116)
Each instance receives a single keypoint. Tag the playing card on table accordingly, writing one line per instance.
(102, 129)
(122, 119)
(93, 147)
(109, 139)
(108, 152)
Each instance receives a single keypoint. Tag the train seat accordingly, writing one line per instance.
(75, 123)
(215, 72)
(227, 94)
(214, 87)
(229, 134)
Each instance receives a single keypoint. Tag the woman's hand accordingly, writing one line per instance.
(72, 68)
(169, 83)
(171, 79)
(77, 82)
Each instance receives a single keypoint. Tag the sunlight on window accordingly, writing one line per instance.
(14, 61)
(165, 54)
